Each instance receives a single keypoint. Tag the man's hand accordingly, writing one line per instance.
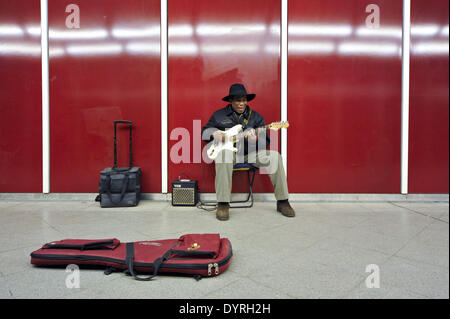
(251, 136)
(219, 136)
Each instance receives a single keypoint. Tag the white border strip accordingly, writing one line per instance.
(284, 78)
(405, 94)
(45, 99)
(164, 103)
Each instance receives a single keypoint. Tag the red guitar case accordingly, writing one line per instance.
(200, 255)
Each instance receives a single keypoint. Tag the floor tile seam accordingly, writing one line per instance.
(316, 239)
(18, 203)
(38, 202)
(248, 277)
(396, 286)
(16, 273)
(347, 292)
(318, 262)
(11, 294)
(302, 231)
(32, 267)
(347, 272)
(42, 218)
(76, 291)
(385, 255)
(222, 287)
(70, 291)
(262, 231)
(32, 248)
(270, 288)
(51, 226)
(362, 212)
(337, 224)
(416, 241)
(365, 248)
(8, 286)
(407, 289)
(395, 236)
(417, 212)
(270, 227)
(372, 211)
(414, 262)
(411, 239)
(61, 227)
(390, 285)
(411, 263)
(148, 237)
(427, 221)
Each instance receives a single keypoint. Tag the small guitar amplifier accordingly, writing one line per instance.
(184, 193)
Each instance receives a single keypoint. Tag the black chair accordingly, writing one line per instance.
(251, 170)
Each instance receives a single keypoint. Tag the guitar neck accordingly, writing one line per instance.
(258, 129)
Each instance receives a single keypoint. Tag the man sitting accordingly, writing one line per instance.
(238, 112)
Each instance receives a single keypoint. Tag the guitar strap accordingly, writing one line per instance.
(244, 124)
(247, 119)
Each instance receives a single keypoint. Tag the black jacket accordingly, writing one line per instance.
(226, 118)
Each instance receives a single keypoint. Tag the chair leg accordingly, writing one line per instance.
(249, 200)
(251, 186)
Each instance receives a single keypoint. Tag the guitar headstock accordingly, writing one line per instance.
(278, 125)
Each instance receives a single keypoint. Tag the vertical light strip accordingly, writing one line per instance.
(284, 77)
(45, 99)
(164, 105)
(405, 94)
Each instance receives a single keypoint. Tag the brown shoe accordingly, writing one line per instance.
(222, 212)
(285, 208)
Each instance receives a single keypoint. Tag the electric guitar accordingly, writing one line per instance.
(234, 134)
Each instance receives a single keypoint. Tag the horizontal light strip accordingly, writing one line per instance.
(311, 47)
(386, 32)
(138, 32)
(431, 48)
(183, 49)
(368, 48)
(424, 30)
(10, 30)
(78, 34)
(320, 30)
(181, 30)
(150, 48)
(229, 29)
(95, 49)
(23, 49)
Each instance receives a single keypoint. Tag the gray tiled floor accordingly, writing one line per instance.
(322, 253)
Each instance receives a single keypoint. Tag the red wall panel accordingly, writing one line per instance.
(20, 97)
(429, 97)
(106, 70)
(344, 97)
(344, 90)
(213, 44)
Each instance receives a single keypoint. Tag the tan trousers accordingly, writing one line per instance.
(270, 160)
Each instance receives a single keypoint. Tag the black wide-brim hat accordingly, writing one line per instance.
(238, 89)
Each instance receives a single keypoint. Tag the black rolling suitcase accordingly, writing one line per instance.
(120, 186)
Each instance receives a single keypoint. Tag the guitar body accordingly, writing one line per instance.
(234, 134)
(217, 146)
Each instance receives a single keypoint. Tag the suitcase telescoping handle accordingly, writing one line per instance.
(115, 142)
